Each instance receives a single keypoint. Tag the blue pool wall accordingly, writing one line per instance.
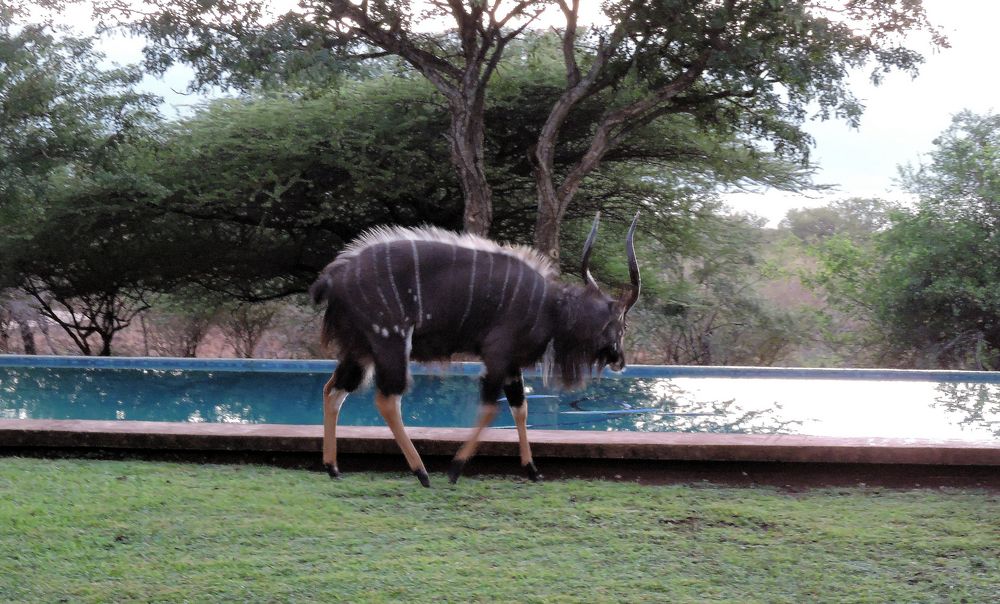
(474, 369)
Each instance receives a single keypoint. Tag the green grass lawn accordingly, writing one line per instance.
(77, 530)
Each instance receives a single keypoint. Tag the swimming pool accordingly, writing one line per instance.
(821, 402)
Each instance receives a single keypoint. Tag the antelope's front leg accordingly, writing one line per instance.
(514, 391)
(489, 393)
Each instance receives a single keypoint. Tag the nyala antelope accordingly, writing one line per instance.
(396, 294)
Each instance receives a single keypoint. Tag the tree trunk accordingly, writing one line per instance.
(547, 222)
(106, 344)
(27, 337)
(145, 334)
(467, 138)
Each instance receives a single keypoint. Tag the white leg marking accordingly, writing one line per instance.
(521, 421)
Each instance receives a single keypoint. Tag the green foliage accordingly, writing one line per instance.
(137, 532)
(94, 254)
(929, 284)
(58, 109)
(962, 179)
(294, 178)
(707, 308)
(251, 196)
(241, 44)
(854, 218)
(745, 69)
(769, 62)
(68, 180)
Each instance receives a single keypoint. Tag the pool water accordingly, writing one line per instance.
(688, 402)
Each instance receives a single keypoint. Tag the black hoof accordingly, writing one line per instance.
(421, 475)
(332, 470)
(532, 472)
(455, 471)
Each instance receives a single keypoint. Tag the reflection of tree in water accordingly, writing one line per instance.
(978, 404)
(175, 396)
(649, 405)
(655, 405)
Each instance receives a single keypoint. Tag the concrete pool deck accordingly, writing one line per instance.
(781, 459)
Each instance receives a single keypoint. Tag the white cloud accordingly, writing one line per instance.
(903, 115)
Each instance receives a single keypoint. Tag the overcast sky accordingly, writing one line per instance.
(903, 115)
(901, 119)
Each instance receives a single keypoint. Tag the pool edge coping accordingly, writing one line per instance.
(567, 444)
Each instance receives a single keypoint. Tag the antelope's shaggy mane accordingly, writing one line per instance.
(379, 235)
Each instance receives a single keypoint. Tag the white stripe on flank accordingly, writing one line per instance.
(503, 291)
(408, 342)
(541, 303)
(517, 286)
(378, 288)
(472, 288)
(489, 278)
(416, 273)
(392, 282)
(357, 281)
(531, 296)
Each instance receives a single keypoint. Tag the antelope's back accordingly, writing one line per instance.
(447, 292)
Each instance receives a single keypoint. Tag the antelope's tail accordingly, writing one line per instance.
(320, 290)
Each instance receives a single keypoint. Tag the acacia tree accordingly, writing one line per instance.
(294, 178)
(739, 65)
(459, 66)
(63, 123)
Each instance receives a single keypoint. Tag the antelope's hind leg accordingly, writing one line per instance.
(391, 377)
(514, 391)
(346, 379)
(489, 392)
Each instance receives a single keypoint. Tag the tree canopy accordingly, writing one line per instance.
(65, 192)
(930, 282)
(738, 66)
(57, 107)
